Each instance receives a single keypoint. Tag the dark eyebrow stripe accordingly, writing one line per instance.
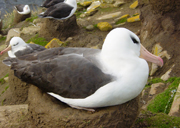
(134, 40)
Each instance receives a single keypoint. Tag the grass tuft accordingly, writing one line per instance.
(2, 81)
(123, 20)
(8, 20)
(31, 19)
(2, 38)
(38, 40)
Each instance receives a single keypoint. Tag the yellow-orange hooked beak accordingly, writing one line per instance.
(145, 54)
(5, 50)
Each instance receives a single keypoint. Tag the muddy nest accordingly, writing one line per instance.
(61, 29)
(46, 111)
(17, 93)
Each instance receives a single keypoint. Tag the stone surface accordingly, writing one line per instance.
(118, 3)
(92, 8)
(156, 51)
(85, 3)
(6, 79)
(46, 111)
(90, 27)
(122, 17)
(155, 87)
(149, 93)
(166, 76)
(30, 30)
(105, 5)
(134, 5)
(133, 19)
(104, 26)
(54, 43)
(12, 33)
(35, 21)
(175, 107)
(109, 16)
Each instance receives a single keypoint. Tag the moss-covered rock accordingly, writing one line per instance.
(104, 26)
(54, 43)
(133, 19)
(134, 5)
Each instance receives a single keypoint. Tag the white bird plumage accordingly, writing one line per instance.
(119, 57)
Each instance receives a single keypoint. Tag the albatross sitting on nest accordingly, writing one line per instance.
(87, 78)
(17, 47)
(22, 9)
(62, 10)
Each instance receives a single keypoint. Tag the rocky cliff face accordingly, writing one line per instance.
(160, 24)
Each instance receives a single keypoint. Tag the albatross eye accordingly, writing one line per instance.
(134, 40)
(16, 44)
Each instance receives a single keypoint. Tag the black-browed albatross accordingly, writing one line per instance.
(87, 78)
(17, 47)
(61, 10)
(22, 9)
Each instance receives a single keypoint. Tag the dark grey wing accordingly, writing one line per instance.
(37, 48)
(59, 10)
(71, 76)
(53, 2)
(45, 3)
(19, 7)
(54, 52)
(31, 48)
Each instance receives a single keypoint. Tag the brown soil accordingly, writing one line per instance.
(46, 111)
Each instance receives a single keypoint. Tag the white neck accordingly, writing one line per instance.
(71, 2)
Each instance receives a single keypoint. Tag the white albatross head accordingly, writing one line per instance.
(123, 42)
(16, 44)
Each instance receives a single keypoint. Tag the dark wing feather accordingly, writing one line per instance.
(54, 52)
(53, 2)
(45, 3)
(19, 7)
(59, 10)
(71, 76)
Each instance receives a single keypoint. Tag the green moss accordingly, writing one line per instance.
(95, 26)
(78, 13)
(38, 40)
(163, 101)
(159, 120)
(2, 38)
(121, 20)
(30, 19)
(5, 89)
(2, 102)
(155, 80)
(2, 81)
